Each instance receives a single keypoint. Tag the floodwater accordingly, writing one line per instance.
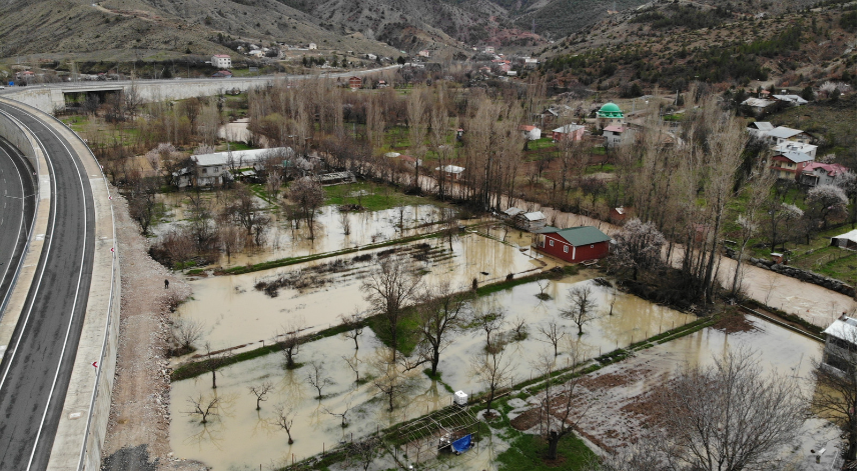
(236, 131)
(618, 413)
(235, 313)
(242, 437)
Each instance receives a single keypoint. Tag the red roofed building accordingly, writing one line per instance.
(615, 134)
(530, 132)
(817, 173)
(575, 244)
(355, 82)
(790, 165)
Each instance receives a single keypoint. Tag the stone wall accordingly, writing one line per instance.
(798, 273)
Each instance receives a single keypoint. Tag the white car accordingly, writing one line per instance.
(2, 87)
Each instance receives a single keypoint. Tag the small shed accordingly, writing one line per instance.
(618, 214)
(512, 212)
(575, 244)
(453, 172)
(532, 133)
(845, 241)
(532, 222)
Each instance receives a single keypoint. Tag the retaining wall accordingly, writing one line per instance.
(11, 130)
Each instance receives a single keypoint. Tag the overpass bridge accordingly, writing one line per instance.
(51, 97)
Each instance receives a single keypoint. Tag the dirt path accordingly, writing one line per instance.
(138, 431)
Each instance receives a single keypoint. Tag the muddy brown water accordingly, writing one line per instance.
(240, 436)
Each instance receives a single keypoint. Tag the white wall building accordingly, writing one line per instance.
(221, 61)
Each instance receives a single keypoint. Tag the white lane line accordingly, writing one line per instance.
(21, 227)
(76, 293)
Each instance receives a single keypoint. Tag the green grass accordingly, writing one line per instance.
(540, 144)
(527, 451)
(234, 145)
(378, 197)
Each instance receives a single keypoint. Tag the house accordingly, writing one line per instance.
(758, 105)
(312, 46)
(371, 57)
(575, 244)
(453, 172)
(789, 165)
(618, 215)
(512, 212)
(573, 132)
(221, 61)
(839, 345)
(382, 84)
(759, 129)
(355, 82)
(256, 53)
(783, 133)
(845, 241)
(793, 100)
(609, 114)
(214, 169)
(795, 146)
(817, 173)
(530, 132)
(615, 135)
(222, 74)
(410, 161)
(533, 221)
(554, 112)
(488, 50)
(424, 53)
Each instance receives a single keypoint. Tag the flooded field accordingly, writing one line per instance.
(240, 436)
(235, 313)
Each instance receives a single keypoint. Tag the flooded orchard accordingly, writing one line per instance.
(241, 436)
(235, 313)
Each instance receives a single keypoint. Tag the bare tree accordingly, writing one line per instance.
(362, 453)
(826, 201)
(560, 405)
(230, 238)
(355, 323)
(203, 406)
(749, 221)
(390, 385)
(391, 285)
(249, 214)
(553, 333)
(291, 342)
(441, 316)
(261, 391)
(285, 418)
(582, 307)
(318, 378)
(354, 364)
(493, 370)
(519, 327)
(345, 222)
(342, 415)
(730, 416)
(543, 285)
(489, 322)
(141, 199)
(185, 332)
(133, 100)
(213, 361)
(780, 214)
(308, 195)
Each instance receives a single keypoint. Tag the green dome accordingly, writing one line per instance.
(610, 110)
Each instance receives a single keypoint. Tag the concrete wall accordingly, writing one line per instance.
(13, 131)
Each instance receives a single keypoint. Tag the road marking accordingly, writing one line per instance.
(76, 293)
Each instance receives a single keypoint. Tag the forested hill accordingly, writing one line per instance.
(671, 45)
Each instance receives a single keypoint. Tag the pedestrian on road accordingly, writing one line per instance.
(166, 284)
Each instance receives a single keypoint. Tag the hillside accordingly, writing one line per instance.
(671, 45)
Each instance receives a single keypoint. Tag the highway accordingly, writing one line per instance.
(35, 370)
(17, 208)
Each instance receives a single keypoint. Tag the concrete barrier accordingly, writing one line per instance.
(15, 133)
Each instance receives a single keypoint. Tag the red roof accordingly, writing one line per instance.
(615, 129)
(221, 55)
(526, 128)
(407, 158)
(831, 169)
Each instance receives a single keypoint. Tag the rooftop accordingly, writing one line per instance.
(844, 328)
(241, 158)
(582, 235)
(795, 156)
(568, 128)
(784, 132)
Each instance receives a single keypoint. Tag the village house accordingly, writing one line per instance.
(845, 241)
(609, 114)
(312, 46)
(795, 146)
(512, 212)
(355, 82)
(221, 61)
(533, 221)
(618, 215)
(553, 113)
(215, 169)
(424, 53)
(616, 135)
(452, 172)
(840, 345)
(758, 105)
(817, 173)
(412, 162)
(789, 165)
(760, 129)
(575, 244)
(792, 100)
(532, 133)
(572, 132)
(782, 133)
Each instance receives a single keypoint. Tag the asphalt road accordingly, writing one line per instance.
(35, 371)
(17, 207)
